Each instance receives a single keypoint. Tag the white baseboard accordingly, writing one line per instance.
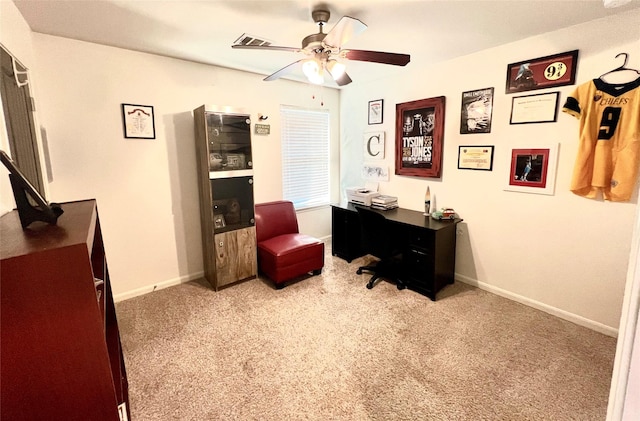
(565, 315)
(165, 284)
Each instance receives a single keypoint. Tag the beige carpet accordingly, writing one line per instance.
(326, 348)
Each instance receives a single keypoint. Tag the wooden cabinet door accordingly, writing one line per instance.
(235, 255)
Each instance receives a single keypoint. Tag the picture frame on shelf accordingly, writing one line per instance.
(475, 157)
(138, 121)
(533, 170)
(235, 161)
(542, 72)
(218, 221)
(536, 108)
(376, 108)
(476, 110)
(419, 137)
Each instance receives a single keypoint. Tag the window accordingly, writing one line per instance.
(305, 157)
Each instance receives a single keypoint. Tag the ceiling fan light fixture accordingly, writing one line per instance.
(336, 69)
(614, 3)
(313, 70)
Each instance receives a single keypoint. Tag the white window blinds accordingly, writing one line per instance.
(305, 157)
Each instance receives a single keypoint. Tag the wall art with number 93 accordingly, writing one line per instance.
(542, 72)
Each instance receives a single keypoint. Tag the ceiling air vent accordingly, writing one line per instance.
(246, 39)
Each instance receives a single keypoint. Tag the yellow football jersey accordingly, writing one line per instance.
(609, 149)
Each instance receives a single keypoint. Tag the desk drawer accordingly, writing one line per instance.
(421, 239)
(419, 264)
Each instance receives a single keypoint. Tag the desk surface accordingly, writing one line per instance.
(406, 216)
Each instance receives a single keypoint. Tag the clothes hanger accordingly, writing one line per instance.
(622, 68)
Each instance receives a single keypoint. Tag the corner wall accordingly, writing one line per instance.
(563, 254)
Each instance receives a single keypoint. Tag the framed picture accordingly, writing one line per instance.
(235, 161)
(138, 121)
(533, 170)
(475, 158)
(419, 137)
(374, 145)
(375, 172)
(218, 221)
(375, 111)
(542, 72)
(539, 108)
(475, 115)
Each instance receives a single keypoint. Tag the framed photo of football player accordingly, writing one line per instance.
(542, 72)
(475, 115)
(533, 170)
(419, 137)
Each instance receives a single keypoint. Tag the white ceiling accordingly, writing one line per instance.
(203, 31)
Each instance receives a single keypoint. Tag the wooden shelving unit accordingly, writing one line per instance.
(225, 177)
(61, 356)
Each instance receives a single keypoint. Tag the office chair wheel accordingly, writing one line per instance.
(369, 285)
(401, 286)
(359, 271)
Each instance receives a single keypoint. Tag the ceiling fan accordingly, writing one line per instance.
(325, 52)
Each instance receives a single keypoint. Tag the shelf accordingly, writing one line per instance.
(59, 327)
(214, 175)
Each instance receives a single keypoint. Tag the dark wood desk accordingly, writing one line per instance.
(428, 245)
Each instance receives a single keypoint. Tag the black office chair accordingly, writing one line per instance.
(378, 240)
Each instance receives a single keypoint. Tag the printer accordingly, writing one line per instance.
(363, 195)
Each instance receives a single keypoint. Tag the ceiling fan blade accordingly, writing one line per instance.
(266, 47)
(377, 57)
(342, 32)
(343, 80)
(284, 71)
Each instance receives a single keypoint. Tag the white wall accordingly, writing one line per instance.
(562, 253)
(147, 189)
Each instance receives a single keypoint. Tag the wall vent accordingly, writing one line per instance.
(246, 39)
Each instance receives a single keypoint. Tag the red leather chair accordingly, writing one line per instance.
(284, 253)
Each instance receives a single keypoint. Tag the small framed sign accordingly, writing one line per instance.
(374, 145)
(375, 111)
(262, 129)
(543, 72)
(138, 121)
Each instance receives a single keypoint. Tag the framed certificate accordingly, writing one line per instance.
(540, 108)
(475, 158)
(138, 121)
